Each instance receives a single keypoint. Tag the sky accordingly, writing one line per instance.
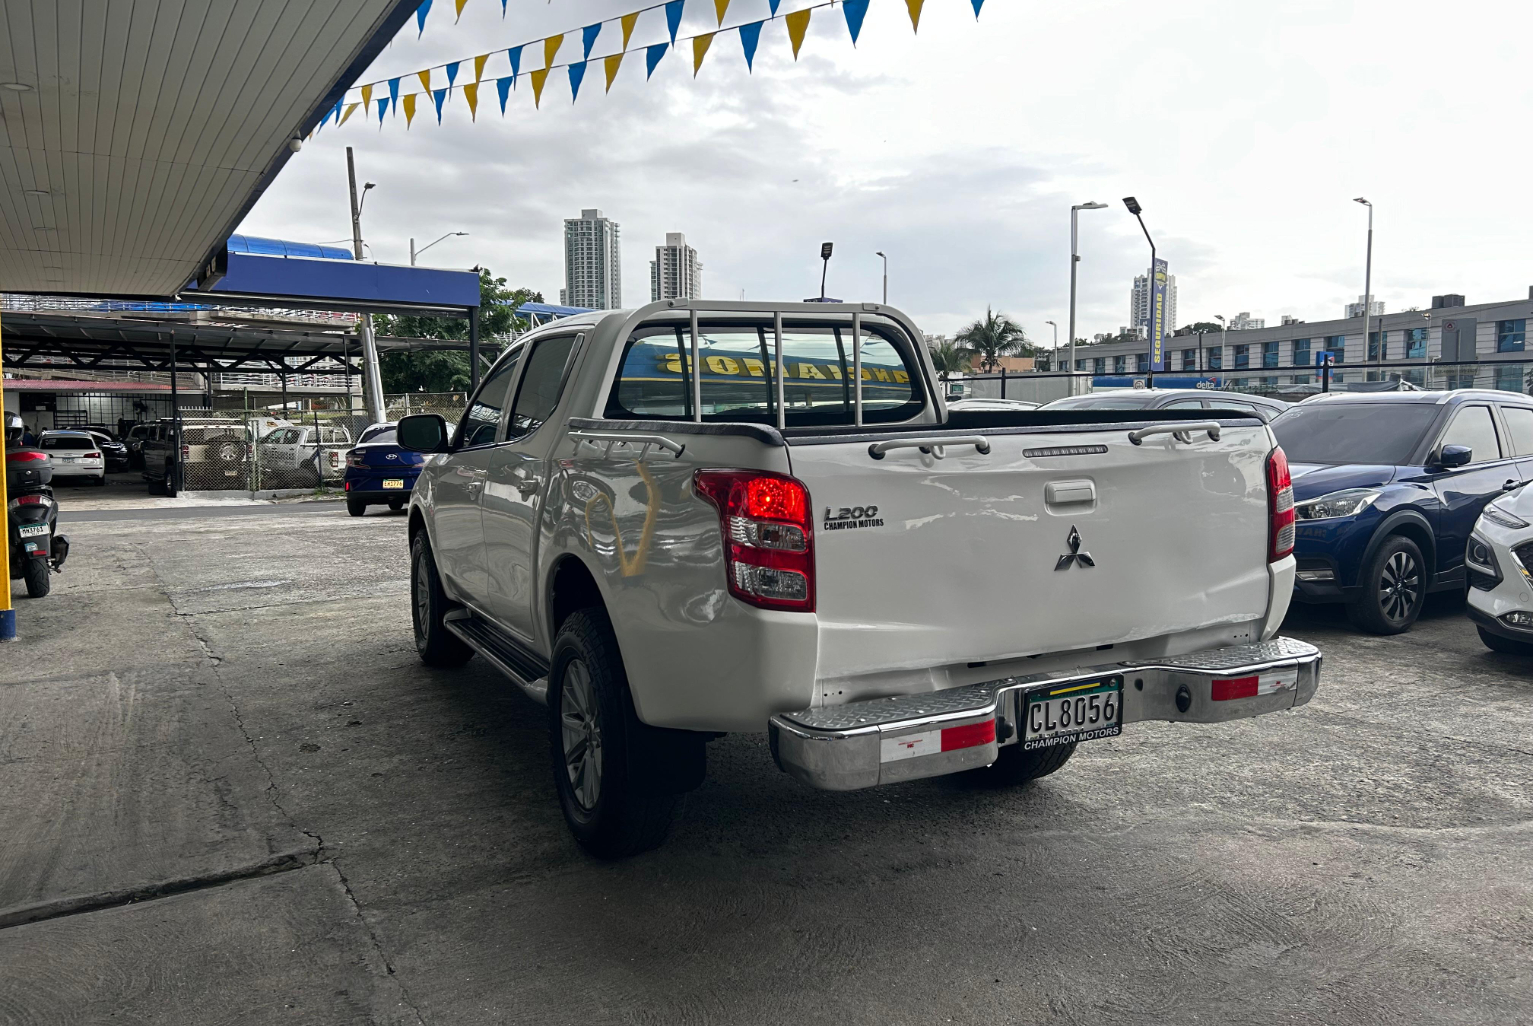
(1244, 130)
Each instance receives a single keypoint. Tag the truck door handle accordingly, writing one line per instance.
(932, 446)
(527, 488)
(1182, 432)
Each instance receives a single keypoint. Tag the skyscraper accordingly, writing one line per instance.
(1139, 306)
(593, 266)
(675, 272)
(1375, 308)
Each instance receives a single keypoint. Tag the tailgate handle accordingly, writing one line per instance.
(932, 446)
(1182, 432)
(1070, 493)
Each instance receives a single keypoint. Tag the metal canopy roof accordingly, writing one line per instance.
(136, 136)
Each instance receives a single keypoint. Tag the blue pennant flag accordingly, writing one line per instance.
(855, 11)
(673, 18)
(383, 106)
(588, 36)
(439, 95)
(502, 14)
(652, 55)
(774, 4)
(750, 35)
(394, 95)
(420, 17)
(338, 104)
(452, 69)
(977, 5)
(577, 75)
(503, 86)
(515, 53)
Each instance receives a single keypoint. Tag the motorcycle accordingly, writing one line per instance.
(34, 547)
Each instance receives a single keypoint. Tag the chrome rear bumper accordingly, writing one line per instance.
(862, 744)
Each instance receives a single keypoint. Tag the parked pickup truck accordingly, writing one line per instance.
(685, 520)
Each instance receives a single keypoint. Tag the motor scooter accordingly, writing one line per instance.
(34, 548)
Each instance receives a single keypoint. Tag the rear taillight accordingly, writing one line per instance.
(354, 459)
(25, 456)
(186, 454)
(768, 536)
(30, 500)
(93, 455)
(1280, 514)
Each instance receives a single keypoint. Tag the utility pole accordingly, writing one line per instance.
(7, 614)
(372, 383)
(1368, 289)
(1075, 258)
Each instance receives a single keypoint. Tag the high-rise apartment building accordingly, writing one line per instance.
(675, 272)
(1375, 308)
(593, 266)
(1243, 321)
(1139, 306)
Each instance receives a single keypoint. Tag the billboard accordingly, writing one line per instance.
(1158, 324)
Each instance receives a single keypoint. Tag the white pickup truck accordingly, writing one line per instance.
(697, 518)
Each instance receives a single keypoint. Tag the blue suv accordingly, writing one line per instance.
(1387, 488)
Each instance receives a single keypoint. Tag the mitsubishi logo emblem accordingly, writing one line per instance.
(1075, 555)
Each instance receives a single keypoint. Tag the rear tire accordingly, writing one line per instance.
(356, 508)
(170, 481)
(1014, 766)
(1392, 588)
(396, 504)
(436, 644)
(1510, 646)
(618, 779)
(101, 481)
(38, 577)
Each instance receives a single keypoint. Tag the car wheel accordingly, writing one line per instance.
(101, 481)
(1015, 766)
(1392, 589)
(428, 605)
(355, 507)
(38, 577)
(396, 504)
(1511, 646)
(618, 779)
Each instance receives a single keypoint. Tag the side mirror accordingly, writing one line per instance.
(423, 432)
(1454, 456)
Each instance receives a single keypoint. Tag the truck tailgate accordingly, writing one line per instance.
(1054, 541)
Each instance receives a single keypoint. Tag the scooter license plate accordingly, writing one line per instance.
(33, 530)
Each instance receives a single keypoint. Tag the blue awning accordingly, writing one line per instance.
(335, 284)
(281, 247)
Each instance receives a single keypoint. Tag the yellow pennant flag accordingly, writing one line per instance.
(914, 6)
(700, 46)
(721, 6)
(471, 94)
(538, 78)
(461, 4)
(479, 66)
(350, 109)
(551, 47)
(425, 77)
(629, 20)
(367, 96)
(611, 64)
(798, 24)
(408, 100)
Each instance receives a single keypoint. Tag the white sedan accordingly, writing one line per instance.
(74, 454)
(1499, 563)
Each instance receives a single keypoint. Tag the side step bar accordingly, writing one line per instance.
(525, 668)
(882, 740)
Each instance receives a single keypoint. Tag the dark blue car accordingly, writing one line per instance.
(379, 472)
(1387, 488)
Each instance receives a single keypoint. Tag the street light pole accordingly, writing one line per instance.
(1054, 357)
(1075, 259)
(417, 252)
(1368, 287)
(825, 251)
(880, 253)
(372, 384)
(1135, 209)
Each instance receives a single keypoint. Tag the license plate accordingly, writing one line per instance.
(393, 482)
(33, 530)
(1067, 713)
(66, 459)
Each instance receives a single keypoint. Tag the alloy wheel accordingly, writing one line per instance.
(580, 725)
(422, 599)
(1399, 586)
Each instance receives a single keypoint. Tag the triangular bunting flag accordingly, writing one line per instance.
(914, 7)
(502, 14)
(551, 47)
(452, 73)
(437, 96)
(629, 21)
(460, 10)
(577, 76)
(479, 66)
(425, 77)
(471, 94)
(611, 65)
(588, 37)
(774, 4)
(394, 94)
(700, 44)
(383, 107)
(515, 53)
(367, 96)
(673, 18)
(503, 86)
(351, 108)
(409, 105)
(538, 78)
(337, 112)
(855, 11)
(750, 35)
(652, 55)
(721, 6)
(420, 18)
(977, 5)
(798, 24)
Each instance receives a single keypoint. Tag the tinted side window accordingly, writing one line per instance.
(1472, 426)
(1184, 404)
(482, 419)
(1519, 421)
(539, 391)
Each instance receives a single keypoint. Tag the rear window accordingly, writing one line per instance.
(1353, 432)
(382, 436)
(738, 383)
(67, 442)
(205, 435)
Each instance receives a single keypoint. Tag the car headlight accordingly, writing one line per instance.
(1348, 502)
(1503, 518)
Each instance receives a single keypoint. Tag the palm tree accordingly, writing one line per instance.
(949, 357)
(992, 338)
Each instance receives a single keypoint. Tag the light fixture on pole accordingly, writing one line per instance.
(1054, 358)
(1151, 286)
(1368, 285)
(417, 252)
(880, 253)
(1075, 259)
(1224, 330)
(825, 248)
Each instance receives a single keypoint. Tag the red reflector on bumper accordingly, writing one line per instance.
(1238, 687)
(968, 736)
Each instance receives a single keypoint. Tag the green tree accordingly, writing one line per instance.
(992, 337)
(949, 357)
(1197, 326)
(427, 371)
